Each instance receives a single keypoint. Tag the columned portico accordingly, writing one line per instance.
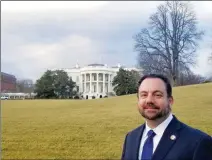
(95, 83)
(90, 83)
(94, 80)
(108, 83)
(103, 82)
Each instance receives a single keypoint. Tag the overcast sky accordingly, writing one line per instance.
(37, 35)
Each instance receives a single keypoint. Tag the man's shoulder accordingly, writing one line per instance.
(198, 138)
(136, 130)
(187, 130)
(193, 132)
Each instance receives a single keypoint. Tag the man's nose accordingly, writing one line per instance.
(149, 99)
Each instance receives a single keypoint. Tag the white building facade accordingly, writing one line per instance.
(94, 80)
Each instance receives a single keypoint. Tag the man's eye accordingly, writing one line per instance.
(158, 95)
(143, 95)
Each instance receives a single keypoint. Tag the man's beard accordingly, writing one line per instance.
(160, 114)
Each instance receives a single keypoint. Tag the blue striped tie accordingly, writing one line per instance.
(148, 146)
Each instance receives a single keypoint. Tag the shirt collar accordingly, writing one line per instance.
(161, 127)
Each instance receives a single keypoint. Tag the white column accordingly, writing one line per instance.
(90, 81)
(85, 83)
(108, 82)
(81, 83)
(103, 83)
(97, 82)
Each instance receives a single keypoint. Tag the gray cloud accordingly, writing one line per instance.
(36, 40)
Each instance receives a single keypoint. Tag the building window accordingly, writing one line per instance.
(106, 77)
(101, 88)
(88, 87)
(94, 88)
(94, 76)
(106, 88)
(83, 78)
(87, 77)
(100, 77)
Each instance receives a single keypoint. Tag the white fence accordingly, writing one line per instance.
(17, 95)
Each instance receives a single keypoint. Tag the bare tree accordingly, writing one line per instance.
(170, 41)
(187, 77)
(210, 64)
(25, 85)
(210, 58)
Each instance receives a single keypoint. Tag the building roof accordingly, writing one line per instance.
(6, 74)
(96, 64)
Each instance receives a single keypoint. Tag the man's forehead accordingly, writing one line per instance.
(152, 84)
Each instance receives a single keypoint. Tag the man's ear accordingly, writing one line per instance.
(171, 100)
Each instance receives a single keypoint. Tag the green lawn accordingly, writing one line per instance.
(88, 129)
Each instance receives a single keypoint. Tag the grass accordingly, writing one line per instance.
(88, 129)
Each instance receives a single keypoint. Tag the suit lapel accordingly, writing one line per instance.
(137, 142)
(167, 141)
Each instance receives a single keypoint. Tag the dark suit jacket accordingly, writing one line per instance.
(190, 143)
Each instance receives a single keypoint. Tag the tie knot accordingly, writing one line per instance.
(151, 133)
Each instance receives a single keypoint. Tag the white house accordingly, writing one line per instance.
(94, 80)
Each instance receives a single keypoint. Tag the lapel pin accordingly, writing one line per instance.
(173, 137)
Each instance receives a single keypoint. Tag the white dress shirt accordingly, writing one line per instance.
(159, 130)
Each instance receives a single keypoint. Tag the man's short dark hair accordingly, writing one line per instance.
(160, 76)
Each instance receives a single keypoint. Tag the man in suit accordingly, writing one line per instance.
(163, 136)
